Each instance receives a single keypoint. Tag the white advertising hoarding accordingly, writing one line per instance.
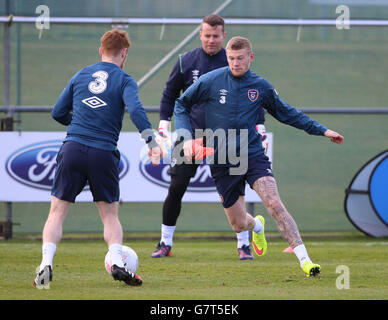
(27, 167)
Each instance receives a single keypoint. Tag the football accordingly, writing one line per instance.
(130, 258)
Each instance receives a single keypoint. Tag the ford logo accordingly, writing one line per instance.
(201, 182)
(34, 165)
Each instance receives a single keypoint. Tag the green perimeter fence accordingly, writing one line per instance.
(310, 66)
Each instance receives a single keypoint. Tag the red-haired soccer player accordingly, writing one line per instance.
(93, 106)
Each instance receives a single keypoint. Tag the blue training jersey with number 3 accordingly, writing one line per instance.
(234, 103)
(93, 105)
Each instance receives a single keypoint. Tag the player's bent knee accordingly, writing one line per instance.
(178, 186)
(274, 206)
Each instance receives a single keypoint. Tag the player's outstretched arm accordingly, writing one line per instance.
(334, 136)
(62, 111)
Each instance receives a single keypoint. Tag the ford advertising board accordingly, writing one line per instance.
(27, 167)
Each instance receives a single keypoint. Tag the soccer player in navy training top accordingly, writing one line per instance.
(93, 106)
(245, 94)
(188, 68)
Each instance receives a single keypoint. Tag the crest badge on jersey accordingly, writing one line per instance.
(253, 94)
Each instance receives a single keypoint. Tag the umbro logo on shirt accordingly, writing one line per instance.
(195, 75)
(94, 102)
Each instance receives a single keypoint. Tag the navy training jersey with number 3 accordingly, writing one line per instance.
(93, 105)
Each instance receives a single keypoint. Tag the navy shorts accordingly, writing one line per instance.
(78, 164)
(231, 187)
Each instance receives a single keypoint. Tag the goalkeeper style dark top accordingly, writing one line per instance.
(93, 106)
(187, 70)
(235, 103)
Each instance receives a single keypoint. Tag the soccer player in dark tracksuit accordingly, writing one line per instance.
(188, 68)
(93, 106)
(247, 93)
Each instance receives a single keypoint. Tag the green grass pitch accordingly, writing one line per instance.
(201, 269)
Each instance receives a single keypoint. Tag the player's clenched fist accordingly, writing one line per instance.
(334, 136)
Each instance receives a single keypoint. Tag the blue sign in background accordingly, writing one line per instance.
(34, 165)
(379, 189)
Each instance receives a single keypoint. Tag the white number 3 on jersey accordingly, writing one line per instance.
(98, 85)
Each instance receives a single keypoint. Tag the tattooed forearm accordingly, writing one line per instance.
(267, 190)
